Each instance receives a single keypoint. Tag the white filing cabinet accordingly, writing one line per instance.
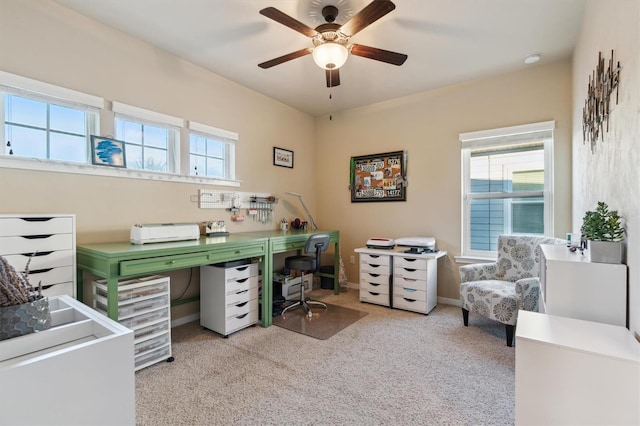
(50, 241)
(144, 306)
(228, 297)
(401, 280)
(78, 372)
(375, 278)
(574, 287)
(575, 372)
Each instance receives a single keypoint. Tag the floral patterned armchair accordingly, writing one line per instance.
(497, 290)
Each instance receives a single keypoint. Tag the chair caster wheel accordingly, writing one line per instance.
(310, 314)
(171, 359)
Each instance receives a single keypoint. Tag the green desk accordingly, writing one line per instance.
(118, 261)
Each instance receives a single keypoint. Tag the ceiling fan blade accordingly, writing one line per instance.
(367, 16)
(288, 21)
(378, 54)
(333, 77)
(285, 58)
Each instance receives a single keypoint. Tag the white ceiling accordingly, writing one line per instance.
(447, 41)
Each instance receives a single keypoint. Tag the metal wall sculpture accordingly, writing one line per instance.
(596, 109)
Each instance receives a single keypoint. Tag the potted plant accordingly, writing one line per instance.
(23, 309)
(604, 231)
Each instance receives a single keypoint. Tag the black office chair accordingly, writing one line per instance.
(317, 243)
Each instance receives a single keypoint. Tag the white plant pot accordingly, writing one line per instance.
(605, 251)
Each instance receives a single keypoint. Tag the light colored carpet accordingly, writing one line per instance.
(323, 324)
(390, 367)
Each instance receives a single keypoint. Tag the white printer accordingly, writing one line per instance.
(163, 232)
(418, 244)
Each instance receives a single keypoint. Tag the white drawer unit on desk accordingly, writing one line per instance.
(415, 283)
(228, 297)
(145, 308)
(49, 240)
(375, 278)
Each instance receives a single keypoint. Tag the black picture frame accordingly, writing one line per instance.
(379, 177)
(282, 157)
(107, 151)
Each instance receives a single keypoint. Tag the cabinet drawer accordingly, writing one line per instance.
(162, 263)
(243, 295)
(143, 320)
(382, 288)
(410, 263)
(240, 272)
(151, 357)
(50, 276)
(408, 293)
(131, 290)
(239, 285)
(148, 331)
(243, 252)
(411, 274)
(374, 269)
(16, 226)
(240, 308)
(35, 243)
(374, 278)
(282, 246)
(42, 260)
(131, 309)
(375, 259)
(373, 297)
(151, 344)
(409, 284)
(236, 322)
(410, 304)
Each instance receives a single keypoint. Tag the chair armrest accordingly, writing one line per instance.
(478, 272)
(528, 293)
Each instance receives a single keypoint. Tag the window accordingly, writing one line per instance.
(507, 185)
(44, 121)
(211, 152)
(151, 139)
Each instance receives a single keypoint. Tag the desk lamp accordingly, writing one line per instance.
(313, 222)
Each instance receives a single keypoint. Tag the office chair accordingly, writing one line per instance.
(317, 243)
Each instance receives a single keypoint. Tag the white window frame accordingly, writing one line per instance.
(495, 138)
(229, 139)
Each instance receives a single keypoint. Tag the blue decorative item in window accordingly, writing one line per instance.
(107, 151)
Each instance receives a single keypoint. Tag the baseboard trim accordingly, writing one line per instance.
(185, 320)
(448, 301)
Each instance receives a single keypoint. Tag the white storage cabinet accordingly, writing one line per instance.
(375, 278)
(50, 241)
(78, 372)
(415, 283)
(575, 372)
(228, 297)
(144, 306)
(572, 286)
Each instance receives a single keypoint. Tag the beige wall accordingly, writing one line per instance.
(43, 41)
(427, 125)
(610, 173)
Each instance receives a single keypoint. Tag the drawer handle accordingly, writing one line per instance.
(374, 294)
(40, 271)
(36, 219)
(243, 291)
(375, 256)
(37, 253)
(172, 262)
(409, 259)
(409, 300)
(409, 269)
(240, 305)
(375, 275)
(374, 284)
(37, 237)
(242, 268)
(410, 290)
(375, 266)
(242, 280)
(242, 316)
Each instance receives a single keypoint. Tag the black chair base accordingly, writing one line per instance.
(508, 328)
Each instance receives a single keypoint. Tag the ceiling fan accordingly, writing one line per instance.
(330, 40)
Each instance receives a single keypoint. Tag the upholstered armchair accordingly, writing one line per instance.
(497, 290)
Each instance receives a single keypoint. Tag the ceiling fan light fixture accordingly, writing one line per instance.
(330, 55)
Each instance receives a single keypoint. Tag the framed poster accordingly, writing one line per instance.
(282, 157)
(378, 177)
(107, 152)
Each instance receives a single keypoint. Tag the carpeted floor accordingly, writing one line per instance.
(389, 367)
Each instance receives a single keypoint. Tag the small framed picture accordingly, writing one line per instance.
(107, 152)
(282, 157)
